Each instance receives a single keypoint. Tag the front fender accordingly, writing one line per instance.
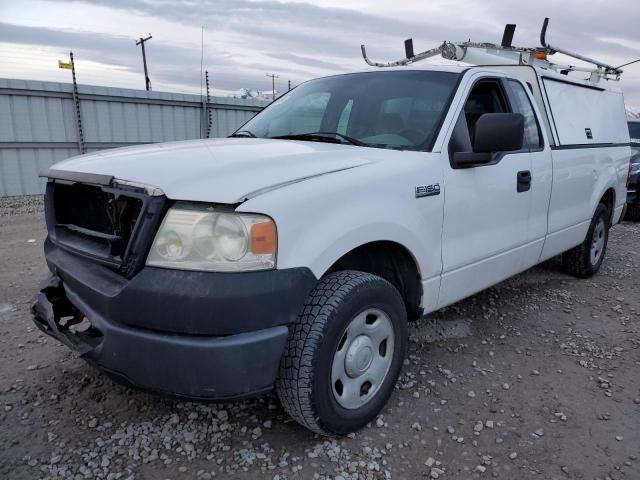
(322, 255)
(323, 218)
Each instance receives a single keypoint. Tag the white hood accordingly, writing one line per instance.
(221, 170)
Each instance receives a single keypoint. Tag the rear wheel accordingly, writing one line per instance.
(585, 260)
(344, 353)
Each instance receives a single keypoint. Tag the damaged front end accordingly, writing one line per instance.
(55, 315)
(193, 334)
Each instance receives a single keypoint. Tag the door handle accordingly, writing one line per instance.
(524, 181)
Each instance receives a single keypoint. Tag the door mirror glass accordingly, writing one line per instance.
(486, 127)
(499, 132)
(494, 132)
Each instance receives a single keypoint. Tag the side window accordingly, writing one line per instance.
(532, 136)
(486, 97)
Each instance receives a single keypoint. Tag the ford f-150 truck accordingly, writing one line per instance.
(293, 254)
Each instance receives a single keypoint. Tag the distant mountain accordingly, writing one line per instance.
(633, 113)
(251, 93)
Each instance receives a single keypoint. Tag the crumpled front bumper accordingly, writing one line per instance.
(191, 366)
(203, 366)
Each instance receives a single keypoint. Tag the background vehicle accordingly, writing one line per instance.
(294, 254)
(633, 196)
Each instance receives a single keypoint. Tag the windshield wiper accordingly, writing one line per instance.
(322, 136)
(243, 133)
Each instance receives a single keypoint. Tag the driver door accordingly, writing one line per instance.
(486, 210)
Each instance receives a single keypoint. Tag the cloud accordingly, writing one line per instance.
(299, 40)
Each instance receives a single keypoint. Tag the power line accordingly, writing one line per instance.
(144, 60)
(629, 63)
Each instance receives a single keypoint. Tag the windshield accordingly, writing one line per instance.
(393, 109)
(634, 132)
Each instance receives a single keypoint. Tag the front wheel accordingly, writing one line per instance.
(585, 260)
(344, 353)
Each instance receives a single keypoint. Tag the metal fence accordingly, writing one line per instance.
(38, 124)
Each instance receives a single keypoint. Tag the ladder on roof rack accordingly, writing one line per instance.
(505, 53)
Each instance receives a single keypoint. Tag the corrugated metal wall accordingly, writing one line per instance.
(38, 124)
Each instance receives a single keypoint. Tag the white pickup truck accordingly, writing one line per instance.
(294, 254)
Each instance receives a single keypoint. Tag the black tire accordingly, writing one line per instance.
(304, 383)
(578, 261)
(633, 213)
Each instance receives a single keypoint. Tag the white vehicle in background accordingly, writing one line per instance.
(294, 254)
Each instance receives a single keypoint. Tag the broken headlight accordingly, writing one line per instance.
(209, 238)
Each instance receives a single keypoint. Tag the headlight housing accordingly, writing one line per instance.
(209, 238)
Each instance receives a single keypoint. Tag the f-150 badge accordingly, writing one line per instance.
(427, 190)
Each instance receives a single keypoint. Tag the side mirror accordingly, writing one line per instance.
(494, 132)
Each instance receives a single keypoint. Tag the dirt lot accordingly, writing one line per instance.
(534, 378)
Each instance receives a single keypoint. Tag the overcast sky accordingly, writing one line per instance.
(298, 40)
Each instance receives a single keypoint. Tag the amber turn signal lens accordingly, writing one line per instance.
(263, 238)
(540, 56)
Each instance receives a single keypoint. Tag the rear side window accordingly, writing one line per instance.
(532, 136)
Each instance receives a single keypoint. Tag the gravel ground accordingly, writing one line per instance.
(534, 378)
(12, 206)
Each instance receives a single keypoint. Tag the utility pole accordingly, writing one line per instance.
(289, 85)
(144, 60)
(273, 83)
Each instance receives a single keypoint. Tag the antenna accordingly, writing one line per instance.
(201, 57)
(205, 106)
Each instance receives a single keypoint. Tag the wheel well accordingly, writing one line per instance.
(609, 200)
(394, 263)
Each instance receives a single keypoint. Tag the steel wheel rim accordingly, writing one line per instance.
(362, 358)
(597, 242)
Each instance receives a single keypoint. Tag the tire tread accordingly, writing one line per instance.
(575, 261)
(294, 385)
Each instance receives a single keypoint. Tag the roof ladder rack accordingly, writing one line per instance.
(604, 68)
(505, 53)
